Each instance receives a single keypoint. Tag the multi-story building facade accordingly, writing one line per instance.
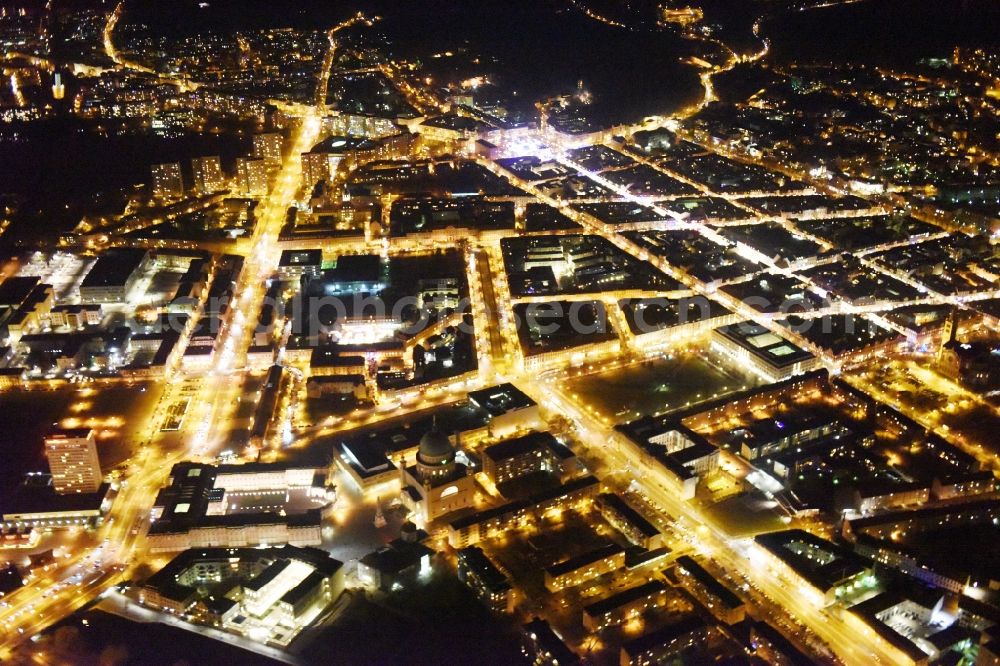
(208, 176)
(73, 461)
(168, 182)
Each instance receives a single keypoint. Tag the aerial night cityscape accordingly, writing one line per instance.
(544, 332)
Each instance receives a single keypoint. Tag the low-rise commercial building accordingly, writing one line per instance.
(294, 264)
(397, 564)
(509, 409)
(111, 278)
(35, 505)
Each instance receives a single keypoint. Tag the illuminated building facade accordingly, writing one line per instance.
(167, 180)
(624, 606)
(532, 453)
(208, 176)
(268, 147)
(73, 460)
(489, 583)
(251, 176)
(437, 484)
(586, 566)
(267, 594)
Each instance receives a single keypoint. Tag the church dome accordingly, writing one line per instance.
(435, 444)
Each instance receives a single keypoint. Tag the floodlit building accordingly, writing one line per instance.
(768, 355)
(437, 484)
(73, 461)
(679, 456)
(267, 594)
(58, 87)
(232, 506)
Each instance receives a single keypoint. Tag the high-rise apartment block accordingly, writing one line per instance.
(208, 175)
(268, 147)
(251, 176)
(73, 461)
(167, 180)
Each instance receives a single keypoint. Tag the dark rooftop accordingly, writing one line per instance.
(114, 267)
(519, 445)
(500, 399)
(37, 497)
(605, 606)
(583, 559)
(14, 290)
(709, 582)
(664, 636)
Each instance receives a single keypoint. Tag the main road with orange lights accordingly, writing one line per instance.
(79, 577)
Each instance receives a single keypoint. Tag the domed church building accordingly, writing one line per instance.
(437, 484)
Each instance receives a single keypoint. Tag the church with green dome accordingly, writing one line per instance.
(437, 484)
